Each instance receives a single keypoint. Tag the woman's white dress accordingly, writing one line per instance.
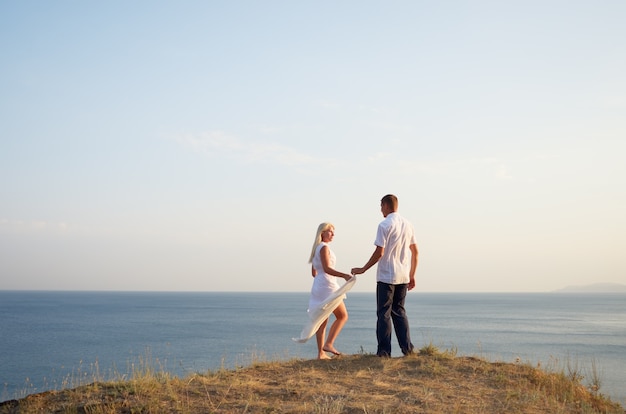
(323, 285)
(323, 290)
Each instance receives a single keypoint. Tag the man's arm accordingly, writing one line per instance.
(378, 253)
(414, 254)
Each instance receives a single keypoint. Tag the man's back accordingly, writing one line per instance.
(395, 235)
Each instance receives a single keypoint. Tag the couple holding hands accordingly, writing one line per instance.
(396, 255)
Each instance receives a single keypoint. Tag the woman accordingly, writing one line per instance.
(324, 284)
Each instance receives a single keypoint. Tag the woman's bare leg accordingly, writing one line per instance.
(341, 315)
(319, 335)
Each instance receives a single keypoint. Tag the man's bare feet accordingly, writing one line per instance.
(323, 356)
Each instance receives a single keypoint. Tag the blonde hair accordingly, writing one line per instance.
(318, 237)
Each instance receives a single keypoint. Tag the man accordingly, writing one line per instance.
(396, 255)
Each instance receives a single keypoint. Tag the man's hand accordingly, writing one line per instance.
(411, 283)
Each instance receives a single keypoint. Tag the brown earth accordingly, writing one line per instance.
(431, 383)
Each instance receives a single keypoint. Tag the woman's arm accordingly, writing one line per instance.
(325, 256)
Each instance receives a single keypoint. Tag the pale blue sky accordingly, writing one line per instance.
(196, 145)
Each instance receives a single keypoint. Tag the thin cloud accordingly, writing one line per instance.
(269, 130)
(330, 105)
(502, 173)
(32, 226)
(221, 144)
(380, 156)
(218, 143)
(210, 143)
(464, 167)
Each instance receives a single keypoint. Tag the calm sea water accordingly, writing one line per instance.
(51, 340)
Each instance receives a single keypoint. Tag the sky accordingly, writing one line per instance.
(197, 145)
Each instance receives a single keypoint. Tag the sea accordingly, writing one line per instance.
(51, 340)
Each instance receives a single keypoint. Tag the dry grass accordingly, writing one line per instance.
(433, 382)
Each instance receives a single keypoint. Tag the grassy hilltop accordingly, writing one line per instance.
(433, 382)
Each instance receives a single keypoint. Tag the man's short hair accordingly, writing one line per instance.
(391, 201)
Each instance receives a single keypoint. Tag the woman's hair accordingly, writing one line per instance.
(318, 237)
